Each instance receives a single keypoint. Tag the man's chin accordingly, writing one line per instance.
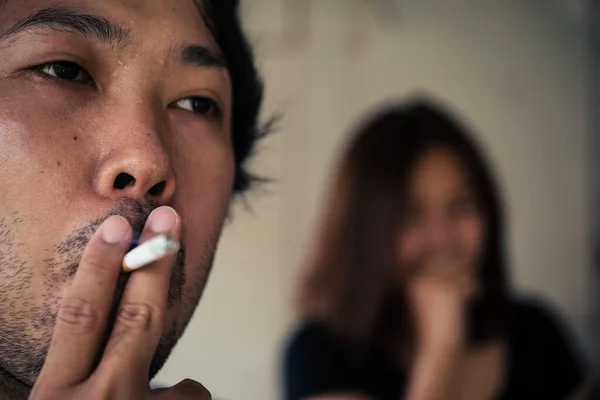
(12, 388)
(19, 387)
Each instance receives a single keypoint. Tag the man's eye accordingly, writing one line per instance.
(199, 105)
(65, 70)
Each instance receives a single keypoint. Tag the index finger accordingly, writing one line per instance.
(140, 319)
(84, 309)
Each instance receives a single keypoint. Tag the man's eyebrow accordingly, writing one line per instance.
(72, 20)
(198, 56)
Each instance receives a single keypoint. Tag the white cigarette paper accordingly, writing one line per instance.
(149, 252)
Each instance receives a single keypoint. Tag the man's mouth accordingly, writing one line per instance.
(136, 214)
(135, 241)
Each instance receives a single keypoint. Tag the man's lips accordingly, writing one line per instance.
(135, 240)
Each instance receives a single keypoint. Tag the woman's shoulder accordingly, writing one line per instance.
(540, 333)
(315, 362)
(544, 351)
(311, 337)
(535, 314)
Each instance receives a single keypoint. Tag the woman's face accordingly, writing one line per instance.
(442, 219)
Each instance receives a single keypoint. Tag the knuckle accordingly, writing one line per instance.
(98, 387)
(78, 316)
(139, 316)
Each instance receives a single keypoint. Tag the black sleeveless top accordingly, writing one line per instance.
(542, 363)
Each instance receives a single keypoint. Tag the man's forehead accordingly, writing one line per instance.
(175, 18)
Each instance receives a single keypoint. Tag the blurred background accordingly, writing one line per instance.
(524, 73)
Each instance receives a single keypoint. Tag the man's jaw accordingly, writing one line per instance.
(12, 388)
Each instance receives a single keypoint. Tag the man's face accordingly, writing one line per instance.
(106, 107)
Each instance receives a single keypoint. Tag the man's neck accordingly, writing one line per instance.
(12, 389)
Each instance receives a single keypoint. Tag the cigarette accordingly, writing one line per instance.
(149, 252)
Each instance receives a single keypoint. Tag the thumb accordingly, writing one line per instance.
(186, 389)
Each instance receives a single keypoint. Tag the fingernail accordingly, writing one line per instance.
(115, 230)
(163, 219)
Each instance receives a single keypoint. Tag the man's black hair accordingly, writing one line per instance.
(223, 21)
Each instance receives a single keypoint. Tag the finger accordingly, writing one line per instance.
(434, 263)
(140, 318)
(85, 307)
(445, 265)
(418, 267)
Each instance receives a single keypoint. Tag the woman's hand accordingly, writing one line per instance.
(438, 292)
(438, 315)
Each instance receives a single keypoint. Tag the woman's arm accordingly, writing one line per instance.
(438, 306)
(317, 367)
(549, 349)
(433, 375)
(583, 392)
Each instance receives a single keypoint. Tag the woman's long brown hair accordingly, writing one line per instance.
(350, 285)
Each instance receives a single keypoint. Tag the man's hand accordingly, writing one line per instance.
(122, 373)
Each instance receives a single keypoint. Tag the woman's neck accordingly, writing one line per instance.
(11, 388)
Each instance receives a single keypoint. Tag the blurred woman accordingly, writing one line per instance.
(406, 296)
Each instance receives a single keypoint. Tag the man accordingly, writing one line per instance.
(111, 111)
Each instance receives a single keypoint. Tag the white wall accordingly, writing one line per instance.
(594, 167)
(516, 68)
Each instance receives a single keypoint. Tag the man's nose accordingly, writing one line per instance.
(135, 162)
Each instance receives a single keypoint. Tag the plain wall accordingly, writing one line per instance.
(517, 70)
(593, 18)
